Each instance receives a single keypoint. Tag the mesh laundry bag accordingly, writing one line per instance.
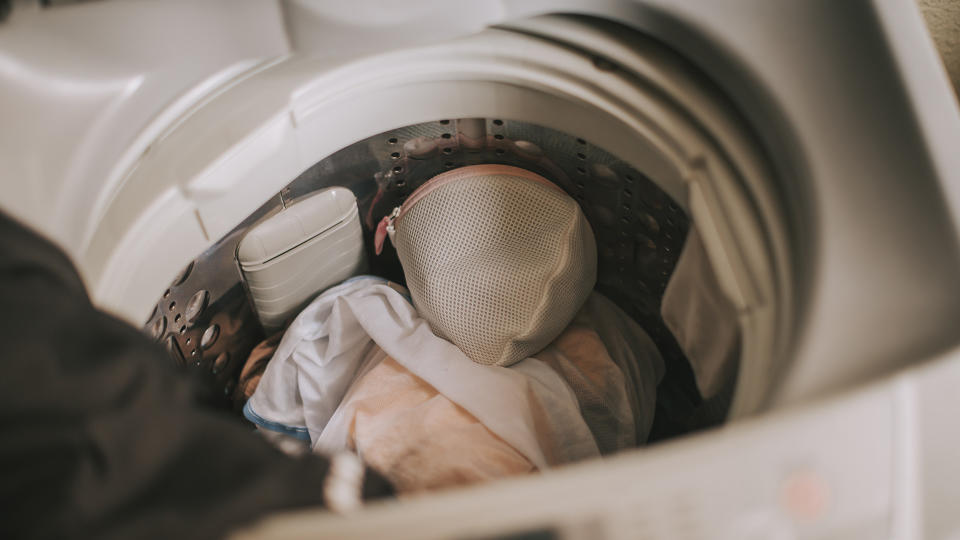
(498, 259)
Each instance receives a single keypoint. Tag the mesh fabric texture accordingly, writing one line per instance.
(498, 261)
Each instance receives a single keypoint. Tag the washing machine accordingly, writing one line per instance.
(812, 145)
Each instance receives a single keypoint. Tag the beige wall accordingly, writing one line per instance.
(943, 19)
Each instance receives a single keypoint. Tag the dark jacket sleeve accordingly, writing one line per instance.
(101, 436)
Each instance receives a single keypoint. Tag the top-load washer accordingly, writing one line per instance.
(810, 143)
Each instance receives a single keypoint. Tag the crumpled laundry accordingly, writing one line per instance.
(613, 367)
(360, 370)
(702, 318)
(335, 339)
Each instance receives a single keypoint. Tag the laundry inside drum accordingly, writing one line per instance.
(320, 231)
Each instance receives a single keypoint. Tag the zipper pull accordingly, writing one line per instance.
(384, 228)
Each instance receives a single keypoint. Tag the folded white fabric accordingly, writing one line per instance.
(352, 327)
(702, 319)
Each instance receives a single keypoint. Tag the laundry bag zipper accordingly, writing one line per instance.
(387, 226)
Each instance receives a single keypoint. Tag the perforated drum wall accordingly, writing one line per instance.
(639, 232)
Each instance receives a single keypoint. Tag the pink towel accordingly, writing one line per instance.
(420, 439)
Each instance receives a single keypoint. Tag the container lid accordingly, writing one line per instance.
(296, 224)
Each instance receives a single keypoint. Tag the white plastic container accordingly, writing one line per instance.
(293, 255)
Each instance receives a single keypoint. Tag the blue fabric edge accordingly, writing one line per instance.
(295, 432)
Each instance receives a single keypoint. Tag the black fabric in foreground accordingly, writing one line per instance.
(101, 436)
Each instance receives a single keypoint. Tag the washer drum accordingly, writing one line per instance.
(299, 251)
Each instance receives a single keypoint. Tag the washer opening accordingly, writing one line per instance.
(640, 232)
(638, 139)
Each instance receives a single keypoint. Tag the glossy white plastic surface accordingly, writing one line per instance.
(85, 90)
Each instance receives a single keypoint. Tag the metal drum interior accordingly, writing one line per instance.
(208, 324)
(638, 137)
